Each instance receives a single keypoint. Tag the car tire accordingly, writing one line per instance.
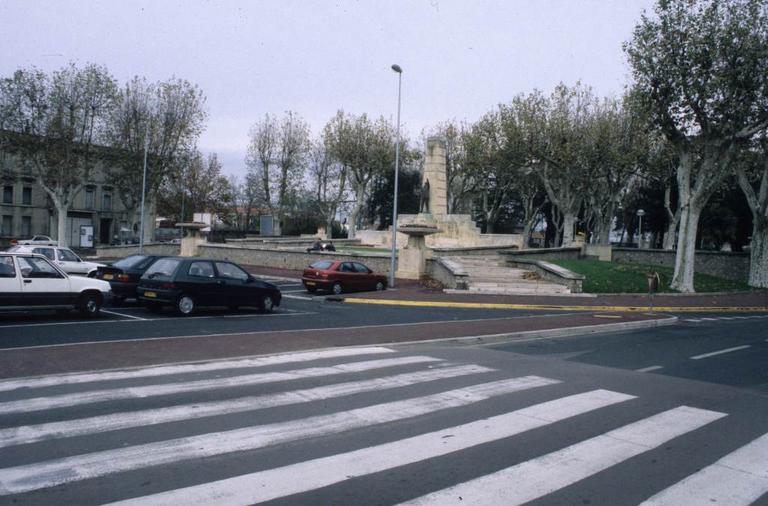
(267, 304)
(89, 305)
(185, 305)
(337, 288)
(380, 286)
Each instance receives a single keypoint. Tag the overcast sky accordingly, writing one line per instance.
(459, 58)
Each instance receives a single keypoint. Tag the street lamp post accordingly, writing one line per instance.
(399, 71)
(143, 189)
(640, 214)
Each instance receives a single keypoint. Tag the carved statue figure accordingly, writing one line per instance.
(424, 199)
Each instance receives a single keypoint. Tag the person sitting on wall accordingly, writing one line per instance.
(316, 246)
(329, 246)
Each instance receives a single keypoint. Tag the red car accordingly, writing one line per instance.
(341, 276)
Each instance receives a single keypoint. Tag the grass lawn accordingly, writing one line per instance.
(609, 277)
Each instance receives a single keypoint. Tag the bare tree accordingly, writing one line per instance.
(277, 157)
(329, 183)
(53, 124)
(699, 69)
(167, 117)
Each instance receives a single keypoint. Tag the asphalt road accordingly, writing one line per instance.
(381, 425)
(298, 311)
(725, 349)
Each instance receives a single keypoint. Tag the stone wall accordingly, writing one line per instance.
(133, 249)
(287, 259)
(473, 251)
(727, 265)
(545, 254)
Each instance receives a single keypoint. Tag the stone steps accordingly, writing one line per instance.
(487, 275)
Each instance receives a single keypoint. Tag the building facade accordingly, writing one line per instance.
(26, 210)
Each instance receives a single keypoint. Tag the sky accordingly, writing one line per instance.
(460, 58)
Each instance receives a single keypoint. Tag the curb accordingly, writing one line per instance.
(535, 335)
(549, 307)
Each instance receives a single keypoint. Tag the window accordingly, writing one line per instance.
(26, 226)
(67, 255)
(47, 252)
(36, 267)
(6, 268)
(89, 193)
(7, 227)
(8, 194)
(26, 196)
(163, 267)
(227, 270)
(106, 202)
(201, 269)
(361, 268)
(346, 267)
(321, 264)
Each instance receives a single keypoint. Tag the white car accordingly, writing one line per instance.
(30, 281)
(65, 258)
(39, 240)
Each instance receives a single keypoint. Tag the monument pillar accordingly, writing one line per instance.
(435, 171)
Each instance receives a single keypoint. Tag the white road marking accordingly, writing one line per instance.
(80, 467)
(297, 297)
(692, 320)
(76, 399)
(123, 315)
(118, 421)
(720, 352)
(171, 369)
(546, 474)
(708, 319)
(739, 478)
(275, 483)
(649, 368)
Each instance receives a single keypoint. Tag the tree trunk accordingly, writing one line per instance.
(758, 254)
(672, 220)
(352, 222)
(569, 219)
(682, 280)
(61, 225)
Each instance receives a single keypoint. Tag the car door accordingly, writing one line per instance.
(201, 283)
(234, 287)
(69, 262)
(42, 283)
(365, 281)
(347, 276)
(10, 282)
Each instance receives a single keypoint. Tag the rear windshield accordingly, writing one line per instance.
(129, 262)
(163, 267)
(321, 264)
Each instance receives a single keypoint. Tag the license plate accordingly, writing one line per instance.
(309, 283)
(108, 276)
(150, 294)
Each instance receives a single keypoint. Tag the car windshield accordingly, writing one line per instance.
(129, 262)
(321, 264)
(163, 267)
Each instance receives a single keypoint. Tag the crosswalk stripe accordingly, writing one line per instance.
(275, 483)
(124, 420)
(543, 475)
(166, 370)
(739, 478)
(68, 400)
(69, 469)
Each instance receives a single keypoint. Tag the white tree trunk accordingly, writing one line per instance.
(358, 207)
(569, 219)
(669, 235)
(682, 280)
(61, 225)
(758, 254)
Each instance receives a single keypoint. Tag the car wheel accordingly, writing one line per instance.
(185, 305)
(337, 288)
(89, 305)
(380, 286)
(267, 304)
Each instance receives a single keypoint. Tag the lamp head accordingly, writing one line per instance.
(397, 68)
